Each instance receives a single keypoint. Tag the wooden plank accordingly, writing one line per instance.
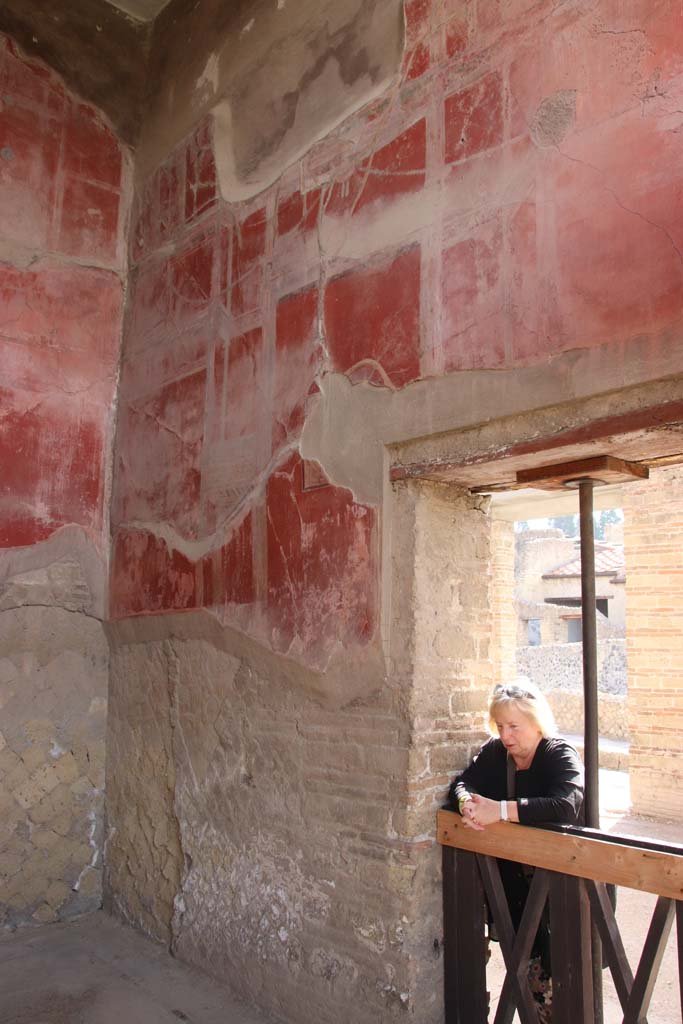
(506, 935)
(606, 469)
(570, 936)
(450, 934)
(464, 920)
(580, 856)
(603, 915)
(650, 962)
(516, 948)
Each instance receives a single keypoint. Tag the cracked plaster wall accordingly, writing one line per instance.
(490, 228)
(283, 867)
(482, 239)
(63, 205)
(382, 246)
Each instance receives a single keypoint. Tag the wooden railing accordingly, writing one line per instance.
(573, 868)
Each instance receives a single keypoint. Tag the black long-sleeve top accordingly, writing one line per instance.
(549, 790)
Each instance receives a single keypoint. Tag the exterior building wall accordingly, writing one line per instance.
(504, 620)
(567, 707)
(64, 182)
(559, 666)
(537, 552)
(653, 527)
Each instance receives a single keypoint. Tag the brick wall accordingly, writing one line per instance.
(653, 537)
(504, 617)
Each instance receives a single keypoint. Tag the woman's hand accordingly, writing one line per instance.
(469, 814)
(479, 812)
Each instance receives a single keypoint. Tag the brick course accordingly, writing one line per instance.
(653, 539)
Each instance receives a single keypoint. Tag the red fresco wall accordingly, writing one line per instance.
(62, 185)
(541, 145)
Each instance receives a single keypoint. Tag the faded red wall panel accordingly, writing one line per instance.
(192, 277)
(396, 169)
(372, 317)
(162, 433)
(321, 564)
(298, 357)
(61, 193)
(240, 384)
(149, 577)
(474, 118)
(513, 195)
(200, 173)
(249, 239)
(473, 299)
(228, 572)
(61, 166)
(59, 350)
(51, 459)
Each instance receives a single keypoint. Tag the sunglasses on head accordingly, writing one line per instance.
(513, 691)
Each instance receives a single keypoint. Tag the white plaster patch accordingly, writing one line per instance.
(92, 834)
(209, 76)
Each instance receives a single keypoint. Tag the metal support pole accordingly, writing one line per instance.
(590, 655)
(590, 704)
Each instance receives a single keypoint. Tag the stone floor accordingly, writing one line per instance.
(96, 971)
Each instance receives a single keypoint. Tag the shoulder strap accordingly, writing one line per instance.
(510, 778)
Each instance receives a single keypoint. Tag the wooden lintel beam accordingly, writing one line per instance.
(606, 469)
(581, 856)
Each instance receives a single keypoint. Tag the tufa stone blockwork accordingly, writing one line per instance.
(53, 696)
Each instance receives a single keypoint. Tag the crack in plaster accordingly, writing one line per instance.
(66, 542)
(185, 442)
(37, 604)
(173, 684)
(197, 549)
(92, 831)
(618, 201)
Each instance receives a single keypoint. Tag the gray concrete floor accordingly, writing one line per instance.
(97, 971)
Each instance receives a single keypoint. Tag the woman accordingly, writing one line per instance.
(525, 774)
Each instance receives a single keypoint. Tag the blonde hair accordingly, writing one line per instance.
(528, 699)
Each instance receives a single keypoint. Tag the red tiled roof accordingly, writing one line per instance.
(609, 561)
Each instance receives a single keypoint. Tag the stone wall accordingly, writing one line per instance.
(266, 818)
(559, 666)
(53, 697)
(255, 826)
(567, 707)
(653, 542)
(63, 206)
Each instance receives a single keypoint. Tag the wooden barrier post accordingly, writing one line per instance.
(464, 923)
